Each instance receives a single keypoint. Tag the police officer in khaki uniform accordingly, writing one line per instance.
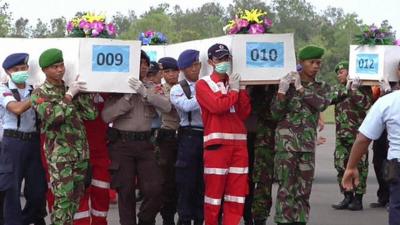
(131, 152)
(168, 143)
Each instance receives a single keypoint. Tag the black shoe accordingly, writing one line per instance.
(142, 222)
(379, 204)
(356, 204)
(40, 222)
(184, 222)
(299, 223)
(248, 222)
(168, 221)
(198, 222)
(344, 204)
(260, 221)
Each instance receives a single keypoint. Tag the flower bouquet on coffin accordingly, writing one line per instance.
(91, 25)
(151, 37)
(253, 21)
(373, 35)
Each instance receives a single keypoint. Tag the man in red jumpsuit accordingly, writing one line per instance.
(224, 109)
(98, 191)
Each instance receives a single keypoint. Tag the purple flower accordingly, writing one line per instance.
(97, 28)
(111, 29)
(267, 23)
(234, 30)
(149, 33)
(84, 25)
(373, 28)
(397, 42)
(241, 23)
(256, 29)
(70, 26)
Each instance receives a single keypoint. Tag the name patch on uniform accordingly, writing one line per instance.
(5, 94)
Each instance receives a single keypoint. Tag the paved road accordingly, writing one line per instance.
(324, 193)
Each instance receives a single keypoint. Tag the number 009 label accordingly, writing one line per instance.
(367, 63)
(265, 54)
(110, 58)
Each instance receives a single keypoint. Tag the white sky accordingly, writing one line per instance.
(370, 11)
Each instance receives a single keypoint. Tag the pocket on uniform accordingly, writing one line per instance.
(114, 169)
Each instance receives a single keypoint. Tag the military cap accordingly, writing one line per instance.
(15, 59)
(187, 58)
(154, 68)
(311, 52)
(50, 57)
(168, 63)
(218, 51)
(143, 55)
(341, 65)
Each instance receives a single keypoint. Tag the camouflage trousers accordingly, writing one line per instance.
(341, 156)
(67, 181)
(263, 177)
(294, 172)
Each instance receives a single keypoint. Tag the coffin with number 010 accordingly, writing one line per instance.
(373, 63)
(105, 64)
(259, 58)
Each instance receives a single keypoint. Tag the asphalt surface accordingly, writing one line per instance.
(324, 193)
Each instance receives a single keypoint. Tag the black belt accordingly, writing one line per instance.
(191, 131)
(167, 134)
(25, 136)
(134, 136)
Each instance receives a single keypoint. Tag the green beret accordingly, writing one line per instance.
(341, 65)
(311, 52)
(50, 56)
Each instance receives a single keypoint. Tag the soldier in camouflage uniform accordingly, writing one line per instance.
(349, 114)
(264, 152)
(297, 110)
(62, 112)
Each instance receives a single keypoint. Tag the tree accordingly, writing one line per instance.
(21, 28)
(41, 30)
(123, 22)
(5, 18)
(58, 27)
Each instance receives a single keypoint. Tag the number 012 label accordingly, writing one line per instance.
(367, 63)
(265, 54)
(110, 58)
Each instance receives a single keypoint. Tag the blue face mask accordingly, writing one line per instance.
(19, 77)
(222, 67)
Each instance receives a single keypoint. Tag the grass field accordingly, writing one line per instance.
(329, 115)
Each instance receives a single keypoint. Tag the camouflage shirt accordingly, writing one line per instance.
(62, 124)
(350, 112)
(298, 115)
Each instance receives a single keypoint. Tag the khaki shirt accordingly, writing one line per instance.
(169, 120)
(136, 113)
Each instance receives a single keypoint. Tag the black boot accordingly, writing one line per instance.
(299, 223)
(356, 204)
(198, 222)
(248, 222)
(260, 221)
(142, 222)
(167, 220)
(344, 204)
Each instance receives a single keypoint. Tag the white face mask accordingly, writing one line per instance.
(19, 77)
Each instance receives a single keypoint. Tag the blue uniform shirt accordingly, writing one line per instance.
(184, 105)
(10, 119)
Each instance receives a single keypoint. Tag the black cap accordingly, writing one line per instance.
(218, 51)
(153, 68)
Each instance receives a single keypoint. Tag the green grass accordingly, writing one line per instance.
(329, 115)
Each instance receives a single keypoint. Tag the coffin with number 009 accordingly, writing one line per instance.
(373, 63)
(104, 64)
(259, 58)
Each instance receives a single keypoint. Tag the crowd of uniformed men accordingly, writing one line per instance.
(206, 147)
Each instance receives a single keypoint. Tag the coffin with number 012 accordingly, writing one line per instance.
(259, 58)
(105, 64)
(373, 63)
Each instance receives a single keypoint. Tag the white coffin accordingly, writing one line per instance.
(259, 58)
(155, 52)
(372, 63)
(105, 64)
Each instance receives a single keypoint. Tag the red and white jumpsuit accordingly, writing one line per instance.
(225, 151)
(96, 211)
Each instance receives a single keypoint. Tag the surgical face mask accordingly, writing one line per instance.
(19, 77)
(222, 67)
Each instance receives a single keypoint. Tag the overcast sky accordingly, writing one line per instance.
(370, 11)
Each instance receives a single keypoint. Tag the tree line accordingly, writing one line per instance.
(331, 28)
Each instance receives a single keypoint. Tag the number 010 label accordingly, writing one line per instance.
(265, 54)
(110, 58)
(367, 63)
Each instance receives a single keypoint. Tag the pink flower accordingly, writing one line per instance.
(97, 28)
(149, 33)
(70, 26)
(241, 23)
(111, 29)
(83, 24)
(233, 30)
(397, 42)
(267, 23)
(256, 29)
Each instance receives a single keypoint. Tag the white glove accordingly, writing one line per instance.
(137, 86)
(127, 96)
(284, 83)
(234, 80)
(297, 81)
(76, 87)
(384, 85)
(355, 84)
